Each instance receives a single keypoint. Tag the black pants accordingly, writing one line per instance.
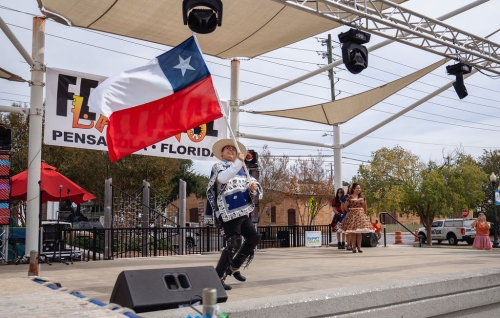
(233, 230)
(241, 226)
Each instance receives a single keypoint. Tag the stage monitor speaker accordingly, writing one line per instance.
(369, 240)
(165, 288)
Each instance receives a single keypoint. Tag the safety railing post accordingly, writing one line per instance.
(382, 218)
(94, 243)
(208, 238)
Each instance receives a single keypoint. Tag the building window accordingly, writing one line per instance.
(273, 214)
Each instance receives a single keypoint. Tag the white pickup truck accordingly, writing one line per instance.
(453, 230)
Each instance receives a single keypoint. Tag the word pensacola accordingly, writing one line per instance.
(77, 138)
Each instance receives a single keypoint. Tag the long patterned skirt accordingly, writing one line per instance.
(356, 221)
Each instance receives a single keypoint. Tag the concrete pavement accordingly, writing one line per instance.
(281, 272)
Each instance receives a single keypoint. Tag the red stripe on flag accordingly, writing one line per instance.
(138, 127)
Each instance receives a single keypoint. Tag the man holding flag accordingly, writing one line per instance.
(230, 193)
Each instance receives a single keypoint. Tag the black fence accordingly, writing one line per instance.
(149, 242)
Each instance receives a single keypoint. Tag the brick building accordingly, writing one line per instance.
(283, 214)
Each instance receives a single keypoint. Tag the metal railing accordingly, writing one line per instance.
(383, 221)
(164, 241)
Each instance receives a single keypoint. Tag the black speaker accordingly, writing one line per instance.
(5, 137)
(369, 240)
(165, 288)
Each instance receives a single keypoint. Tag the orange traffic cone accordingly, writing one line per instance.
(399, 238)
(417, 239)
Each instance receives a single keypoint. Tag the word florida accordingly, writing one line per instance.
(90, 139)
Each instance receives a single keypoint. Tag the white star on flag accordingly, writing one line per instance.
(184, 65)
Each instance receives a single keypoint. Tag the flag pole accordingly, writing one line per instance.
(233, 137)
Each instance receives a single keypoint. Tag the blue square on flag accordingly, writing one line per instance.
(183, 65)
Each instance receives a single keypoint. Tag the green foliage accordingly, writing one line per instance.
(489, 162)
(195, 183)
(384, 180)
(313, 207)
(89, 168)
(397, 181)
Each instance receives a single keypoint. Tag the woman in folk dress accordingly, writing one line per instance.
(356, 222)
(482, 240)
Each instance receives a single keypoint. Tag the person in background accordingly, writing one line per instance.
(345, 210)
(378, 226)
(336, 215)
(482, 240)
(356, 222)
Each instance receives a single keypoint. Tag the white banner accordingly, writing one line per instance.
(70, 123)
(313, 238)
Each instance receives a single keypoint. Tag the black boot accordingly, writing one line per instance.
(226, 287)
(342, 245)
(239, 277)
(339, 245)
(235, 272)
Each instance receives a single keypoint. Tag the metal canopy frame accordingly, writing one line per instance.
(407, 27)
(483, 51)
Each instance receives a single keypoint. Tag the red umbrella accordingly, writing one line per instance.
(51, 182)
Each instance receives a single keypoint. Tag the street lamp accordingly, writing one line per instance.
(493, 179)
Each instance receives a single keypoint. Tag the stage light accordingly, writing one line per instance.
(202, 16)
(354, 54)
(252, 159)
(459, 69)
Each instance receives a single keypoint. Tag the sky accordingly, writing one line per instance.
(432, 130)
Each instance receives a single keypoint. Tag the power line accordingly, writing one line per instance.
(391, 139)
(304, 149)
(296, 93)
(14, 94)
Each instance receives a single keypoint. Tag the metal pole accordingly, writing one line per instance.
(495, 221)
(16, 42)
(337, 157)
(234, 103)
(382, 219)
(15, 110)
(337, 63)
(182, 217)
(337, 147)
(108, 210)
(145, 218)
(209, 300)
(35, 133)
(330, 61)
(287, 141)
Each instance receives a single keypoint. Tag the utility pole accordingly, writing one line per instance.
(330, 61)
(331, 172)
(337, 151)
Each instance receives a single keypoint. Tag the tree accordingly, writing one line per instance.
(384, 177)
(19, 125)
(309, 181)
(396, 180)
(489, 162)
(89, 168)
(274, 178)
(195, 183)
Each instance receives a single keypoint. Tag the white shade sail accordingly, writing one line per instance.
(340, 111)
(249, 27)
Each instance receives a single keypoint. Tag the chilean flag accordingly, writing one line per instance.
(150, 103)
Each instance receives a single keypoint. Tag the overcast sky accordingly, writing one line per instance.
(434, 128)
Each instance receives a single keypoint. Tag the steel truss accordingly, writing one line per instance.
(392, 21)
